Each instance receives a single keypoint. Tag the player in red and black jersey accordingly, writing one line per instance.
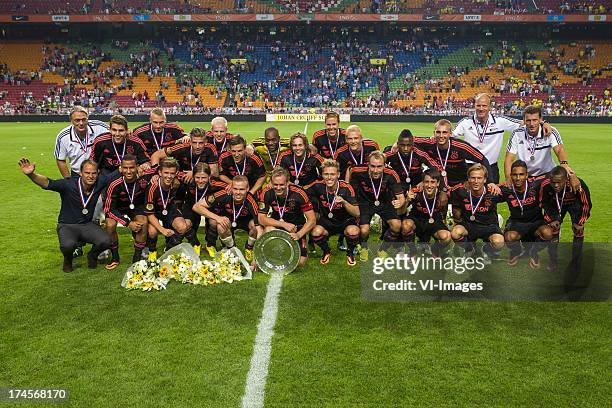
(203, 186)
(327, 141)
(109, 148)
(236, 162)
(303, 167)
(230, 210)
(452, 155)
(158, 133)
(478, 211)
(218, 135)
(378, 191)
(526, 222)
(408, 161)
(287, 207)
(426, 217)
(336, 204)
(190, 154)
(124, 202)
(355, 152)
(558, 199)
(164, 207)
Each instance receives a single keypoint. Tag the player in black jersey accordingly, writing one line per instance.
(287, 207)
(164, 207)
(526, 222)
(379, 192)
(159, 133)
(230, 210)
(236, 161)
(108, 149)
(337, 208)
(478, 211)
(189, 154)
(426, 218)
(203, 186)
(327, 141)
(409, 160)
(355, 152)
(218, 135)
(558, 199)
(303, 166)
(124, 202)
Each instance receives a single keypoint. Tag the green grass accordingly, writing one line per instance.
(191, 346)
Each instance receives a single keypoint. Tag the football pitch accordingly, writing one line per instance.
(191, 346)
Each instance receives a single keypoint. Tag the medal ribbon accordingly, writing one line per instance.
(235, 215)
(161, 193)
(360, 157)
(407, 170)
(376, 193)
(298, 171)
(431, 210)
(560, 203)
(197, 200)
(481, 137)
(281, 212)
(243, 167)
(475, 209)
(331, 206)
(130, 196)
(117, 152)
(273, 163)
(82, 194)
(161, 142)
(83, 143)
(446, 158)
(333, 151)
(191, 158)
(521, 202)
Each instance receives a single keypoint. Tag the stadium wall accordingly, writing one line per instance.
(262, 118)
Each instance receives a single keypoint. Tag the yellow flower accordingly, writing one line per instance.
(174, 268)
(152, 256)
(197, 249)
(163, 272)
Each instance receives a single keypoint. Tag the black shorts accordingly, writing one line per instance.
(129, 215)
(575, 210)
(480, 231)
(386, 212)
(424, 230)
(168, 219)
(525, 229)
(242, 223)
(335, 226)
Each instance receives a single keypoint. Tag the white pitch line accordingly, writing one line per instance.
(306, 128)
(255, 387)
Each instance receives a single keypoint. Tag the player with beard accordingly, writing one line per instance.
(189, 154)
(109, 149)
(337, 210)
(124, 202)
(164, 207)
(378, 191)
(327, 141)
(426, 218)
(526, 222)
(218, 135)
(269, 148)
(355, 152)
(230, 210)
(159, 133)
(478, 211)
(303, 166)
(558, 199)
(287, 207)
(204, 185)
(237, 162)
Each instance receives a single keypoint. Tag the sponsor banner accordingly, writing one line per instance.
(141, 17)
(302, 117)
(182, 17)
(431, 17)
(264, 17)
(555, 18)
(597, 17)
(20, 18)
(238, 61)
(389, 17)
(472, 17)
(60, 18)
(86, 61)
(378, 61)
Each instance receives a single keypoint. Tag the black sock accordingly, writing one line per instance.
(322, 242)
(152, 244)
(115, 250)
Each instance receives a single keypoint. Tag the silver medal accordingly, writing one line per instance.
(443, 173)
(330, 215)
(532, 158)
(431, 221)
(407, 179)
(85, 211)
(297, 182)
(281, 220)
(234, 224)
(165, 212)
(472, 218)
(377, 203)
(132, 206)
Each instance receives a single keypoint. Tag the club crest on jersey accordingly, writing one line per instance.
(262, 206)
(150, 207)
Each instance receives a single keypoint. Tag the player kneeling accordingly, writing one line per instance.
(124, 202)
(228, 211)
(287, 207)
(478, 211)
(426, 218)
(338, 211)
(526, 222)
